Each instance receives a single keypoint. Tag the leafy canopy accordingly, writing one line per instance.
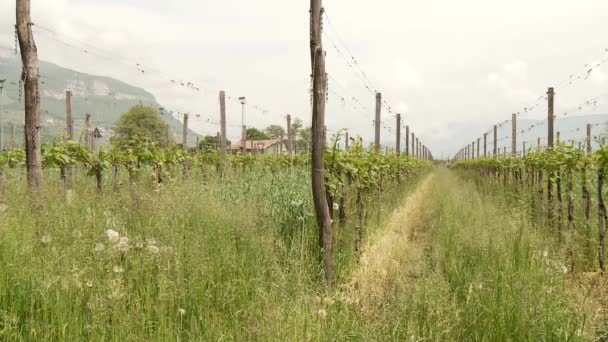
(142, 123)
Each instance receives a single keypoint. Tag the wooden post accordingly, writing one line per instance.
(68, 111)
(514, 135)
(398, 142)
(319, 83)
(495, 140)
(30, 76)
(11, 144)
(557, 138)
(504, 151)
(550, 103)
(346, 141)
(407, 140)
(473, 150)
(185, 132)
(478, 147)
(413, 145)
(538, 144)
(589, 150)
(485, 145)
(417, 149)
(223, 125)
(87, 130)
(378, 121)
(289, 137)
(523, 149)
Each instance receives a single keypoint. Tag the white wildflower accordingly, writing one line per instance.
(564, 269)
(112, 235)
(545, 253)
(46, 239)
(122, 245)
(139, 245)
(151, 242)
(89, 283)
(99, 247)
(118, 269)
(153, 249)
(336, 206)
(322, 313)
(181, 311)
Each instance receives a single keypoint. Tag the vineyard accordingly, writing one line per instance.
(298, 227)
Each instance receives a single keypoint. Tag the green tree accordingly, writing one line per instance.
(275, 132)
(256, 134)
(141, 122)
(210, 142)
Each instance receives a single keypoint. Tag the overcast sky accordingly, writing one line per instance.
(451, 68)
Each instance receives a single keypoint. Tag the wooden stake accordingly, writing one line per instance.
(407, 140)
(185, 132)
(589, 138)
(398, 142)
(495, 140)
(346, 141)
(550, 98)
(318, 145)
(485, 145)
(514, 135)
(289, 137)
(223, 125)
(87, 130)
(30, 75)
(68, 111)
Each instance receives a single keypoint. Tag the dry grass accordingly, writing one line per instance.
(385, 258)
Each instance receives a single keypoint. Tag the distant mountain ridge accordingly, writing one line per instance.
(104, 97)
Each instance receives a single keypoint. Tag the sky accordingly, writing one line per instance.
(451, 68)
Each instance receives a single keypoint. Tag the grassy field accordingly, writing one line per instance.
(233, 258)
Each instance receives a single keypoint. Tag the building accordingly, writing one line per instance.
(275, 146)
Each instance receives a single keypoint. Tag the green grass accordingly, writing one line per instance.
(236, 260)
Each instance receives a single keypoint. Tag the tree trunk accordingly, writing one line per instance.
(30, 75)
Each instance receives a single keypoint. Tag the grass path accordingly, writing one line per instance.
(456, 263)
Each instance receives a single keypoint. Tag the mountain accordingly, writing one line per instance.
(104, 97)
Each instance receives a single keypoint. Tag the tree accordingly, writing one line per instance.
(141, 122)
(210, 142)
(256, 134)
(275, 132)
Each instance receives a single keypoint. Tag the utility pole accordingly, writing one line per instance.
(319, 83)
(398, 143)
(289, 137)
(407, 140)
(68, 112)
(495, 140)
(514, 134)
(378, 120)
(223, 125)
(550, 98)
(30, 75)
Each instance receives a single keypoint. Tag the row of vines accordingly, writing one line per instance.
(564, 188)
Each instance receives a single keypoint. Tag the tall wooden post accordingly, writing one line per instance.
(485, 145)
(407, 140)
(398, 143)
(223, 125)
(378, 121)
(346, 141)
(495, 140)
(185, 132)
(538, 144)
(514, 135)
(478, 147)
(289, 137)
(557, 137)
(523, 149)
(68, 111)
(30, 76)
(473, 150)
(417, 149)
(588, 138)
(413, 145)
(87, 130)
(319, 83)
(550, 103)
